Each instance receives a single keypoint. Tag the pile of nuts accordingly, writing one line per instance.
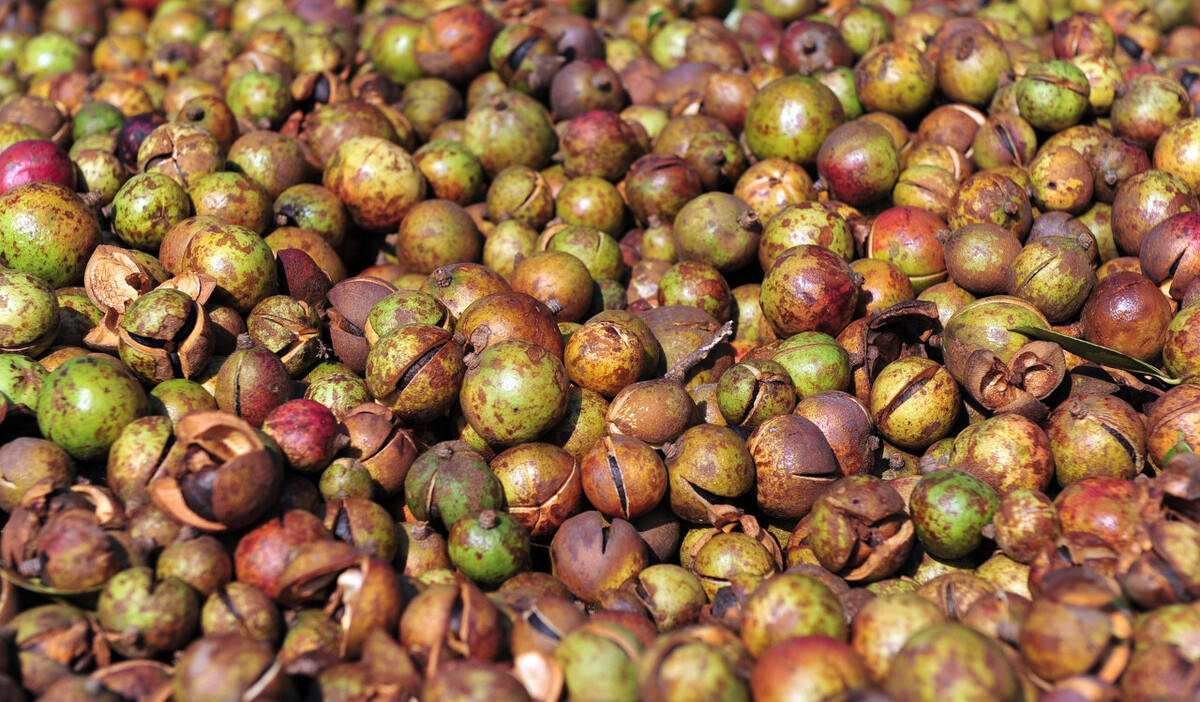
(600, 350)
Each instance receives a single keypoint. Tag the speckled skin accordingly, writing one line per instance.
(20, 380)
(328, 126)
(46, 230)
(895, 78)
(179, 151)
(805, 223)
(520, 193)
(808, 288)
(313, 207)
(489, 547)
(510, 129)
(146, 207)
(598, 250)
(376, 179)
(991, 197)
(812, 667)
(28, 312)
(1147, 106)
(163, 315)
(604, 356)
(516, 391)
(135, 455)
(790, 118)
(717, 229)
(1056, 278)
(164, 614)
(907, 237)
(859, 163)
(599, 662)
(599, 144)
(86, 402)
(1143, 201)
(790, 605)
(951, 661)
(592, 202)
(453, 172)
(437, 233)
(261, 99)
(914, 402)
(233, 197)
(1006, 451)
(239, 260)
(416, 371)
(949, 509)
(275, 161)
(1182, 342)
(697, 285)
(451, 481)
(1053, 95)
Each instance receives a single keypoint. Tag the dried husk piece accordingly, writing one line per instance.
(219, 475)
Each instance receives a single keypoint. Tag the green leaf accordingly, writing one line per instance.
(1097, 353)
(654, 18)
(1181, 446)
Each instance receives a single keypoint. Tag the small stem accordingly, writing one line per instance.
(689, 361)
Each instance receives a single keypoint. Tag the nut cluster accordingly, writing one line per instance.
(600, 350)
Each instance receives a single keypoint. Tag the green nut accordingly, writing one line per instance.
(514, 391)
(21, 379)
(753, 391)
(47, 230)
(28, 313)
(86, 402)
(146, 207)
(599, 662)
(147, 617)
(489, 547)
(815, 361)
(1053, 95)
(790, 118)
(949, 510)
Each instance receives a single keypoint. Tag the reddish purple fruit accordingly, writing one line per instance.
(133, 133)
(307, 433)
(35, 160)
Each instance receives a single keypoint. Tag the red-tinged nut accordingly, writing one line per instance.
(623, 477)
(264, 552)
(307, 433)
(1171, 253)
(1127, 312)
(35, 160)
(1172, 420)
(252, 382)
(809, 288)
(66, 540)
(1109, 508)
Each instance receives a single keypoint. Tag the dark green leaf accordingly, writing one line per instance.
(654, 18)
(1096, 353)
